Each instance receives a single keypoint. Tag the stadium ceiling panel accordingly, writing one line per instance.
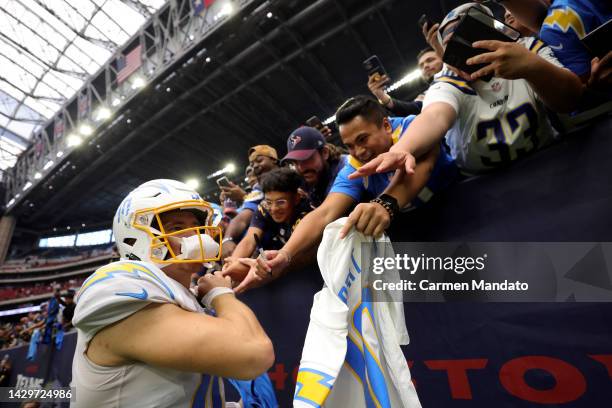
(48, 48)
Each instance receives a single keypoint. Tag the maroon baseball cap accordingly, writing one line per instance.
(303, 142)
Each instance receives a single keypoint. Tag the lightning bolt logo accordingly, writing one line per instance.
(124, 268)
(566, 18)
(313, 386)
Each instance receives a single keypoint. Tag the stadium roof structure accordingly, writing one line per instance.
(209, 93)
(48, 49)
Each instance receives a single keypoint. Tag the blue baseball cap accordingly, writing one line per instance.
(303, 142)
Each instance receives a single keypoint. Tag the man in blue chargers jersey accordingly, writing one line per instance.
(367, 132)
(562, 24)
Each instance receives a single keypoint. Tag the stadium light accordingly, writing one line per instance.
(269, 15)
(37, 176)
(225, 11)
(329, 120)
(20, 310)
(193, 183)
(85, 130)
(59, 154)
(138, 82)
(27, 185)
(48, 165)
(116, 102)
(208, 59)
(103, 113)
(411, 76)
(11, 202)
(74, 140)
(230, 168)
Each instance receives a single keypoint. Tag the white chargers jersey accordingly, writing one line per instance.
(497, 121)
(352, 355)
(110, 294)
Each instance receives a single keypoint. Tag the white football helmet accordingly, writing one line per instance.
(139, 232)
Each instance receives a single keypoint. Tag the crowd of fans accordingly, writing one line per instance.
(38, 288)
(402, 153)
(54, 316)
(396, 154)
(52, 257)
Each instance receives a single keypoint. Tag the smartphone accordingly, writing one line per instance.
(598, 40)
(223, 182)
(373, 66)
(315, 122)
(425, 20)
(475, 25)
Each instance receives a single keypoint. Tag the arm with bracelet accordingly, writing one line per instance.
(374, 218)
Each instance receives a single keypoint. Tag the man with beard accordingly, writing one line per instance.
(316, 161)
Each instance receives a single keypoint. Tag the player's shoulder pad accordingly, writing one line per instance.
(136, 280)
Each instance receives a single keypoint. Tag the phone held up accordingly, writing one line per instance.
(373, 66)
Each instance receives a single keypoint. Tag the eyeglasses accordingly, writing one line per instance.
(280, 203)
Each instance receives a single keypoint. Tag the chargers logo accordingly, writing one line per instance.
(294, 140)
(566, 18)
(124, 210)
(313, 386)
(131, 269)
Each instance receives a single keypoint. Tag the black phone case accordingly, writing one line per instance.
(459, 48)
(598, 41)
(373, 65)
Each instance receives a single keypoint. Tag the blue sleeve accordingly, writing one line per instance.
(400, 124)
(568, 49)
(351, 188)
(250, 205)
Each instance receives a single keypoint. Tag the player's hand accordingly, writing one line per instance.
(601, 73)
(431, 36)
(233, 192)
(371, 219)
(388, 161)
(212, 280)
(235, 269)
(376, 84)
(506, 60)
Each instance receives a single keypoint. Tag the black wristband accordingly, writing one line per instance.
(389, 203)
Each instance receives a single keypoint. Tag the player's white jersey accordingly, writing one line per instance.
(352, 355)
(110, 294)
(497, 121)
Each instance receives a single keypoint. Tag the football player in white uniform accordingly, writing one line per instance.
(487, 123)
(143, 338)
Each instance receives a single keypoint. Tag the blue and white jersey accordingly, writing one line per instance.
(113, 293)
(497, 121)
(352, 355)
(567, 23)
(366, 188)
